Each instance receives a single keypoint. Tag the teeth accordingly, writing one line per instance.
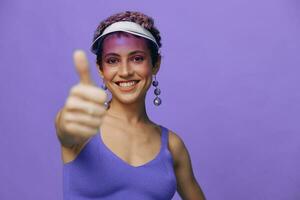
(127, 84)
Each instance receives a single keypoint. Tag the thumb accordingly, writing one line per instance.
(82, 67)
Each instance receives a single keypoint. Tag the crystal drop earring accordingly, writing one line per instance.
(157, 100)
(106, 103)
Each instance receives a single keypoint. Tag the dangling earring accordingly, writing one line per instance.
(106, 103)
(104, 86)
(157, 100)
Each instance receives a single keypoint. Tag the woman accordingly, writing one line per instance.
(111, 149)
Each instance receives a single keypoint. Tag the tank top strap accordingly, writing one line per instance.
(164, 136)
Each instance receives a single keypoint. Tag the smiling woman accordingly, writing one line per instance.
(118, 152)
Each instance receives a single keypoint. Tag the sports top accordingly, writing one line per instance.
(97, 173)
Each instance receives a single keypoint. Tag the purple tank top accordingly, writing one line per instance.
(97, 173)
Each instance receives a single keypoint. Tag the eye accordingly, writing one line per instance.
(138, 58)
(112, 60)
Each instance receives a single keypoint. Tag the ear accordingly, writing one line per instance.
(156, 67)
(100, 71)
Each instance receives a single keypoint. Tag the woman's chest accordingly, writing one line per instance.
(135, 150)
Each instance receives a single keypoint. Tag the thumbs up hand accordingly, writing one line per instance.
(83, 112)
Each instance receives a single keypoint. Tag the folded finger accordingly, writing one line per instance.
(90, 93)
(76, 104)
(84, 119)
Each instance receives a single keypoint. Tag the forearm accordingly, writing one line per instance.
(195, 192)
(198, 192)
(191, 191)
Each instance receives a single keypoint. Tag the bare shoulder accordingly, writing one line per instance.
(176, 146)
(175, 141)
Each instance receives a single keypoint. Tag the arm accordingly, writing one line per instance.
(187, 185)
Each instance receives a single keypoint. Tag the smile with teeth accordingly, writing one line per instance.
(127, 84)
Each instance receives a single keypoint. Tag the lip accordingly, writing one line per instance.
(117, 82)
(127, 89)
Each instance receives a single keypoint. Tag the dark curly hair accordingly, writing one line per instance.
(139, 18)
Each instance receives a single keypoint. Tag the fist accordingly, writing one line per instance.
(84, 109)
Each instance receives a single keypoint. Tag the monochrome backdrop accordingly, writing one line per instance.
(229, 79)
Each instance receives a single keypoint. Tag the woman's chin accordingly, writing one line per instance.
(128, 99)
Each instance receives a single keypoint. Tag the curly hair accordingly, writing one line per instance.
(139, 18)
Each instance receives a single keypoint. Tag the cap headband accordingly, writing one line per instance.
(124, 26)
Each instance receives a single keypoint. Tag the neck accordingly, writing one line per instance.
(129, 113)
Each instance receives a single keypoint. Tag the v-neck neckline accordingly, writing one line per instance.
(157, 156)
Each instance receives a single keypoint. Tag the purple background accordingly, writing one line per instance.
(229, 80)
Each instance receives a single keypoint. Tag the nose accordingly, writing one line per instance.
(125, 69)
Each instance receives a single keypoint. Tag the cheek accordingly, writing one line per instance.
(108, 72)
(144, 70)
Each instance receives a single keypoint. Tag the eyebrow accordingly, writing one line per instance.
(131, 53)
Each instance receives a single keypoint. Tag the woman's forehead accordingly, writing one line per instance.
(121, 41)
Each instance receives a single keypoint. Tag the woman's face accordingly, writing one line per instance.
(126, 67)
